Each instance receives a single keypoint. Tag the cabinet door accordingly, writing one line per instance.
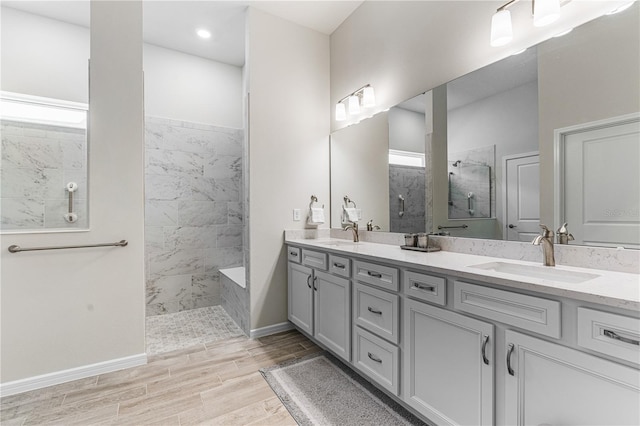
(332, 317)
(448, 365)
(555, 385)
(301, 297)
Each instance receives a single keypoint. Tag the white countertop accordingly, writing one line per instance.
(615, 289)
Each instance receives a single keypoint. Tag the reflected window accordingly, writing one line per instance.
(406, 158)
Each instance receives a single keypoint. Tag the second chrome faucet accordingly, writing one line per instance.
(546, 241)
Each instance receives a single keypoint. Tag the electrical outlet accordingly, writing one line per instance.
(296, 214)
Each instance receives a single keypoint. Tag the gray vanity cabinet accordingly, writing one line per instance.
(448, 365)
(320, 303)
(332, 313)
(552, 384)
(301, 297)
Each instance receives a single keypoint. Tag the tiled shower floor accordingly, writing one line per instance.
(180, 330)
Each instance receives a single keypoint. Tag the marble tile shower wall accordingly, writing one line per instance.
(410, 183)
(193, 212)
(37, 162)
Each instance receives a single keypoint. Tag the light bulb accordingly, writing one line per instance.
(202, 33)
(341, 114)
(354, 105)
(545, 12)
(501, 29)
(368, 97)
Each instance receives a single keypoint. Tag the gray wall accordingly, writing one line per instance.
(193, 212)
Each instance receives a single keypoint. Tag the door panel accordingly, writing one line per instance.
(602, 185)
(523, 198)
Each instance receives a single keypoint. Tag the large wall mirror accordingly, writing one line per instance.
(550, 135)
(45, 54)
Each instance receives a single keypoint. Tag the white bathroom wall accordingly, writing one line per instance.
(406, 130)
(43, 57)
(189, 88)
(403, 49)
(46, 57)
(288, 83)
(69, 309)
(599, 87)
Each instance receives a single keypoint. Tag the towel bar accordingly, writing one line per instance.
(16, 249)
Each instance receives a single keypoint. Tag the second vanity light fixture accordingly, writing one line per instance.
(544, 13)
(364, 96)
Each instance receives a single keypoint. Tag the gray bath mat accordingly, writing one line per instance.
(319, 390)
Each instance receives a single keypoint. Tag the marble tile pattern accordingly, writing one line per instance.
(610, 259)
(37, 162)
(410, 183)
(179, 330)
(474, 172)
(193, 212)
(235, 301)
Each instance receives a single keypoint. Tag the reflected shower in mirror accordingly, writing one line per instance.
(45, 53)
(407, 192)
(493, 143)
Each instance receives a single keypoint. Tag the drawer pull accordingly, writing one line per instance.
(613, 335)
(293, 253)
(484, 349)
(509, 353)
(339, 265)
(374, 274)
(373, 311)
(308, 284)
(424, 287)
(372, 357)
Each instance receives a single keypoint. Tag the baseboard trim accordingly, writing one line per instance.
(50, 379)
(270, 329)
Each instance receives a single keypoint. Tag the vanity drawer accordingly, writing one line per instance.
(340, 266)
(526, 312)
(293, 254)
(378, 275)
(611, 334)
(377, 311)
(377, 359)
(425, 287)
(315, 259)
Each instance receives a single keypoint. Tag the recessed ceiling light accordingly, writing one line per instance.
(202, 33)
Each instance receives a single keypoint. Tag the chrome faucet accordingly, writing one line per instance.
(546, 241)
(563, 235)
(371, 226)
(354, 228)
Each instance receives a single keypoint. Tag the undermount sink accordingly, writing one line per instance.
(541, 272)
(337, 243)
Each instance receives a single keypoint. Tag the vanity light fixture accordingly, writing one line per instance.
(364, 96)
(544, 13)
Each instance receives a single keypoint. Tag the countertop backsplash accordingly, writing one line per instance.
(611, 259)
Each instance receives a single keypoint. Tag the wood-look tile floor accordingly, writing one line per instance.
(213, 384)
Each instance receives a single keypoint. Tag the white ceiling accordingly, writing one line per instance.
(172, 24)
